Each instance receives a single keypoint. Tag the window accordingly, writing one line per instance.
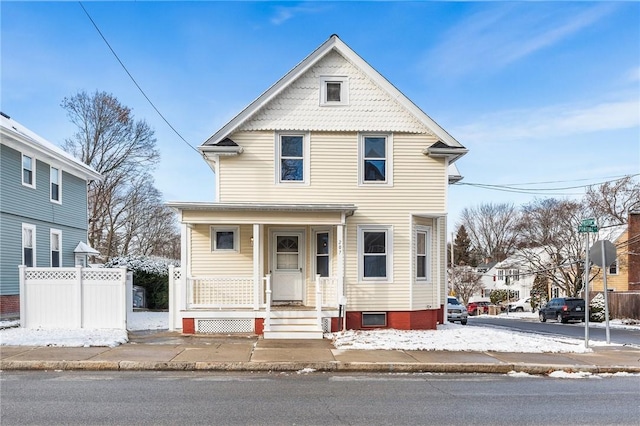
(56, 240)
(28, 245)
(423, 240)
(516, 274)
(613, 268)
(374, 158)
(500, 274)
(292, 158)
(224, 239)
(334, 91)
(322, 253)
(375, 256)
(374, 319)
(55, 184)
(28, 171)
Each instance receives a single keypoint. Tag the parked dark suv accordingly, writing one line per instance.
(563, 309)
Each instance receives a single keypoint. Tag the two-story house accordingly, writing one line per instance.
(43, 208)
(331, 193)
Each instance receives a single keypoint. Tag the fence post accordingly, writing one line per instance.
(78, 299)
(23, 296)
(127, 287)
(172, 298)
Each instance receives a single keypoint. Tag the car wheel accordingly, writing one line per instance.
(519, 309)
(542, 317)
(560, 319)
(463, 322)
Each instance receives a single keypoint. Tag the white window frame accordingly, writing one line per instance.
(306, 150)
(428, 232)
(500, 274)
(33, 170)
(53, 234)
(236, 238)
(388, 230)
(32, 228)
(344, 90)
(59, 183)
(388, 159)
(314, 250)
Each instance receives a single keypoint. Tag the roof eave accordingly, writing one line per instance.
(451, 153)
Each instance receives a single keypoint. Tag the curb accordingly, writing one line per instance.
(352, 367)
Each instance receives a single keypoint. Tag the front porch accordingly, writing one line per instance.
(211, 305)
(276, 269)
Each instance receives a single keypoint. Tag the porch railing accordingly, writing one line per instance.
(220, 292)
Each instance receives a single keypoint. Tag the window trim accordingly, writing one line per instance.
(33, 244)
(388, 160)
(306, 150)
(314, 250)
(388, 230)
(615, 266)
(427, 241)
(58, 233)
(344, 90)
(236, 238)
(33, 170)
(59, 184)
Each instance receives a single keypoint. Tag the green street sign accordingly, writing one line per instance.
(588, 222)
(587, 228)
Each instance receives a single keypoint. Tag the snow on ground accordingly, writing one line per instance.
(448, 337)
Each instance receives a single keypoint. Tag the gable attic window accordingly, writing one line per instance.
(334, 90)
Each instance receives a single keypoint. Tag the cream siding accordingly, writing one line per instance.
(207, 263)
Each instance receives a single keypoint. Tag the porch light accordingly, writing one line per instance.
(251, 241)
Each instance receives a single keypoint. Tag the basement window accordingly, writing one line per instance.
(374, 319)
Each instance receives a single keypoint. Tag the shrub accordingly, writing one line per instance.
(596, 308)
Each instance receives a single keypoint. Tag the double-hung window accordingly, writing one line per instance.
(322, 253)
(292, 158)
(375, 243)
(375, 159)
(225, 239)
(55, 176)
(28, 171)
(56, 242)
(28, 245)
(422, 254)
(613, 268)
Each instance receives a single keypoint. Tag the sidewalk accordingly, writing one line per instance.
(173, 351)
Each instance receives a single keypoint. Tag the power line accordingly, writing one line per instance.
(134, 80)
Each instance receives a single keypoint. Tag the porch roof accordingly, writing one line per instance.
(206, 212)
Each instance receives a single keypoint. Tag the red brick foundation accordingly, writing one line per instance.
(188, 326)
(258, 325)
(10, 305)
(402, 320)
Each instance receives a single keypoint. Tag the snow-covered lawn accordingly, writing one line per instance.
(448, 337)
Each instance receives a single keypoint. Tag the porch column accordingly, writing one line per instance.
(185, 271)
(258, 255)
(341, 261)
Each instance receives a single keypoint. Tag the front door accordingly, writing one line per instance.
(287, 266)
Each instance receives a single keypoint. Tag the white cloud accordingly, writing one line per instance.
(557, 120)
(502, 34)
(284, 14)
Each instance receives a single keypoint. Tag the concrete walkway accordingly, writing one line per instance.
(173, 351)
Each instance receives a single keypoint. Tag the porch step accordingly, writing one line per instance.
(293, 325)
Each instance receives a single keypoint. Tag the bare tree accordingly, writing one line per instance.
(110, 140)
(552, 246)
(612, 201)
(465, 282)
(491, 229)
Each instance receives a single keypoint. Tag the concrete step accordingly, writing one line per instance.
(293, 335)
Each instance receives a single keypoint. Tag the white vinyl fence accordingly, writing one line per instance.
(74, 298)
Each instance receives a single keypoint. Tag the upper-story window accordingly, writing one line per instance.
(55, 184)
(334, 90)
(28, 171)
(375, 159)
(292, 158)
(613, 268)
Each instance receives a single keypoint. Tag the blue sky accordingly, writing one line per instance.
(537, 91)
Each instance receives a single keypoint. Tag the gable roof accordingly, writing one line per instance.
(18, 137)
(446, 145)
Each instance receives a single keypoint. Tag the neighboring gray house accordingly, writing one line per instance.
(43, 208)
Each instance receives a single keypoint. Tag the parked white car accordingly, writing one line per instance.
(522, 305)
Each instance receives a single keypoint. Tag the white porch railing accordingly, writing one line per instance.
(220, 292)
